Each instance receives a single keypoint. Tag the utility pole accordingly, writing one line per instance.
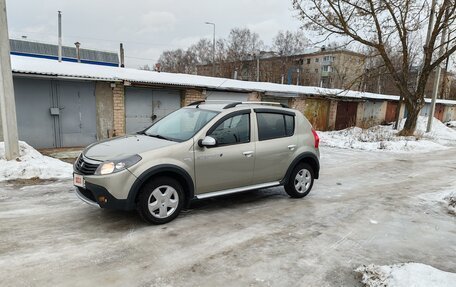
(445, 75)
(78, 52)
(7, 104)
(122, 56)
(213, 47)
(438, 71)
(60, 35)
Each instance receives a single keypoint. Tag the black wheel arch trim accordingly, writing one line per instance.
(190, 188)
(297, 160)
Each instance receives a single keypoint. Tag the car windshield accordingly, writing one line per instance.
(180, 125)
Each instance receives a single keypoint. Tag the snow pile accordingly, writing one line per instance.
(451, 124)
(450, 199)
(405, 275)
(385, 138)
(32, 164)
(446, 198)
(440, 132)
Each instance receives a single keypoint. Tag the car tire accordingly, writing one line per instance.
(160, 200)
(300, 181)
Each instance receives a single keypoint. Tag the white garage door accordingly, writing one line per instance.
(145, 106)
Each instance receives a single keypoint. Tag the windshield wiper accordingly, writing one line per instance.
(159, 137)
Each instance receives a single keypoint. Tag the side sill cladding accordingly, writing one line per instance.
(164, 168)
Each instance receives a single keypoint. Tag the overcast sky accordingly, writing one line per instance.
(146, 27)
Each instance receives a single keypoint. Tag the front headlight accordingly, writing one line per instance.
(113, 166)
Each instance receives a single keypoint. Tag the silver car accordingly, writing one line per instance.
(200, 151)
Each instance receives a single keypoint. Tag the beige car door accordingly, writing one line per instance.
(276, 145)
(229, 164)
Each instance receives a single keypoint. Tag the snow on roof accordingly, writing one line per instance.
(37, 66)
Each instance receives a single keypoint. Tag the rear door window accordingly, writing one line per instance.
(274, 125)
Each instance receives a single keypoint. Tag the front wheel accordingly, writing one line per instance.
(301, 181)
(160, 200)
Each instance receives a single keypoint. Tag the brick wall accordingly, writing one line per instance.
(192, 95)
(332, 115)
(298, 104)
(118, 95)
(254, 97)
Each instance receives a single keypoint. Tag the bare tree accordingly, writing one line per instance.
(242, 43)
(178, 61)
(287, 43)
(381, 24)
(202, 51)
(145, 68)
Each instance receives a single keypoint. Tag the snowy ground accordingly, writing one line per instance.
(32, 164)
(384, 138)
(405, 275)
(451, 124)
(367, 208)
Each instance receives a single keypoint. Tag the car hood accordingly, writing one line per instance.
(124, 146)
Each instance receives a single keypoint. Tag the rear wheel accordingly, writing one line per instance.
(160, 200)
(301, 181)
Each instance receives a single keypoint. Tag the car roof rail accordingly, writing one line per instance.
(197, 103)
(232, 105)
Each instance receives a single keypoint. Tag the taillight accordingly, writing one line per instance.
(316, 138)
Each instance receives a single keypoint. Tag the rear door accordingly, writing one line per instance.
(230, 163)
(276, 145)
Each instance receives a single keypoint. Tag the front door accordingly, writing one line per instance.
(230, 163)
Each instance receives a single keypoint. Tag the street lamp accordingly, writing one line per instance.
(213, 48)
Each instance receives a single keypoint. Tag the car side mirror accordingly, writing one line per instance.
(207, 141)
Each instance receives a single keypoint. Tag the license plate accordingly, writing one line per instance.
(78, 180)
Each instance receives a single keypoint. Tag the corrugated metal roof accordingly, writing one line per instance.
(44, 49)
(27, 65)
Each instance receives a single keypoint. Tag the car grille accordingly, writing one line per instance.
(85, 167)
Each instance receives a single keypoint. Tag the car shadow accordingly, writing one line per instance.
(120, 221)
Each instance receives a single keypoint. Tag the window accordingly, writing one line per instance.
(316, 70)
(317, 60)
(327, 68)
(233, 130)
(181, 125)
(272, 125)
(308, 61)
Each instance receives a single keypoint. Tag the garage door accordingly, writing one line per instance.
(439, 111)
(346, 115)
(145, 106)
(391, 109)
(226, 96)
(55, 113)
(317, 112)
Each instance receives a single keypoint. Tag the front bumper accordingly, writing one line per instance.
(98, 196)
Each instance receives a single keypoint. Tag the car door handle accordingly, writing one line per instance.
(292, 147)
(248, 153)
